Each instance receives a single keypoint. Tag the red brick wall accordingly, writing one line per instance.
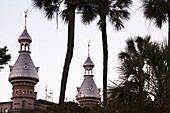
(23, 95)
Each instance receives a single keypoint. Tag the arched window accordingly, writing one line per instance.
(17, 92)
(23, 92)
(31, 92)
(23, 104)
(6, 110)
(27, 47)
(22, 47)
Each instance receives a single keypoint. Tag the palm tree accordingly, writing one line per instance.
(143, 70)
(158, 63)
(130, 95)
(159, 12)
(124, 99)
(51, 7)
(133, 62)
(116, 11)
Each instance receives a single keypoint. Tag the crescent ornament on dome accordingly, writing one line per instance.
(88, 48)
(26, 11)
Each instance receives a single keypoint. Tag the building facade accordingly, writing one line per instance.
(23, 77)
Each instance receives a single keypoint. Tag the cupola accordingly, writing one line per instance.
(25, 38)
(88, 64)
(24, 69)
(23, 75)
(88, 95)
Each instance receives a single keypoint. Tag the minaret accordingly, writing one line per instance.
(23, 75)
(88, 94)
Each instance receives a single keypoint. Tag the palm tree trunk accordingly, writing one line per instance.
(168, 61)
(69, 55)
(168, 1)
(105, 60)
(169, 37)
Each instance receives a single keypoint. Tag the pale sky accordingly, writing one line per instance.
(49, 45)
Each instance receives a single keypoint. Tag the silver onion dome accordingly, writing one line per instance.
(24, 69)
(25, 37)
(88, 89)
(88, 64)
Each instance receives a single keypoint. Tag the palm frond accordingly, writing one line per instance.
(160, 20)
(123, 3)
(64, 15)
(50, 11)
(38, 3)
(156, 10)
(50, 7)
(88, 15)
(131, 46)
(116, 10)
(87, 10)
(123, 55)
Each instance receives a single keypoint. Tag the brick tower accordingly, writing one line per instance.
(23, 75)
(88, 93)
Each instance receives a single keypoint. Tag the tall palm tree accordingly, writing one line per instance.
(133, 62)
(143, 70)
(131, 95)
(117, 12)
(51, 7)
(159, 12)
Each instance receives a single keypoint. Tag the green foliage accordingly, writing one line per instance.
(115, 10)
(50, 7)
(4, 57)
(96, 109)
(70, 107)
(157, 10)
(143, 74)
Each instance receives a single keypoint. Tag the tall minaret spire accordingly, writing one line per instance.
(88, 64)
(26, 18)
(23, 75)
(89, 48)
(88, 93)
(25, 39)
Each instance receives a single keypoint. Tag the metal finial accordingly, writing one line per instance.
(46, 92)
(88, 48)
(26, 18)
